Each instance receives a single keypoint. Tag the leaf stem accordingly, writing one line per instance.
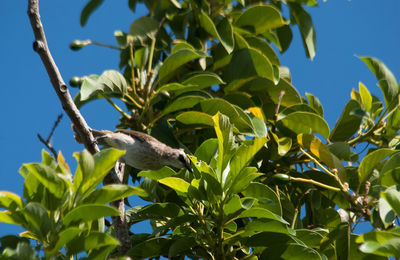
(132, 69)
(317, 162)
(105, 45)
(134, 101)
(315, 183)
(117, 107)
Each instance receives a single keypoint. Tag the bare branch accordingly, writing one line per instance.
(47, 141)
(54, 127)
(40, 46)
(79, 123)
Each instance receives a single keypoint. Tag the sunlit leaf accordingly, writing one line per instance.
(89, 212)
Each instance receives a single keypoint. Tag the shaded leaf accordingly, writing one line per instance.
(386, 79)
(89, 8)
(260, 18)
(371, 160)
(175, 60)
(347, 124)
(305, 122)
(306, 27)
(112, 192)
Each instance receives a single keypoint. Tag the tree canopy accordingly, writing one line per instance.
(271, 179)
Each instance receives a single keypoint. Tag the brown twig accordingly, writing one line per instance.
(47, 141)
(41, 47)
(83, 131)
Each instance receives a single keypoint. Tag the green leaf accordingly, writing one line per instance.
(306, 27)
(195, 118)
(157, 174)
(175, 60)
(266, 197)
(236, 115)
(104, 162)
(292, 251)
(172, 87)
(84, 169)
(322, 152)
(261, 213)
(260, 18)
(392, 196)
(207, 150)
(181, 45)
(256, 85)
(152, 247)
(232, 205)
(143, 28)
(315, 104)
(10, 200)
(248, 63)
(182, 103)
(341, 150)
(89, 212)
(264, 47)
(243, 180)
(371, 160)
(175, 183)
(387, 249)
(10, 217)
(92, 242)
(271, 239)
(223, 130)
(47, 177)
(243, 156)
(180, 245)
(223, 32)
(268, 225)
(63, 238)
(110, 83)
(347, 124)
(113, 192)
(89, 8)
(203, 79)
(161, 210)
(386, 212)
(389, 174)
(366, 97)
(284, 144)
(37, 217)
(305, 122)
(386, 79)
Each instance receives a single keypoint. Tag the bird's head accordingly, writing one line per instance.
(179, 159)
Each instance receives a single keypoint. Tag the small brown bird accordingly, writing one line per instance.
(143, 151)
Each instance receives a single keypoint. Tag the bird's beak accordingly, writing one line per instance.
(187, 166)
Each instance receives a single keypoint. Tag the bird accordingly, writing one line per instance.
(143, 151)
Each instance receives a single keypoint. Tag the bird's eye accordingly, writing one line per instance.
(181, 158)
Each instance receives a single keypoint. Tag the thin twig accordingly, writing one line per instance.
(54, 127)
(48, 145)
(47, 141)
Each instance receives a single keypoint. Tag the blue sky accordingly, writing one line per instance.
(29, 104)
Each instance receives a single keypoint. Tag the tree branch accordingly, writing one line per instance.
(79, 124)
(40, 46)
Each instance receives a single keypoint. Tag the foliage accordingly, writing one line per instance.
(271, 179)
(61, 210)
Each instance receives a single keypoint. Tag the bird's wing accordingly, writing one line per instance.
(137, 135)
